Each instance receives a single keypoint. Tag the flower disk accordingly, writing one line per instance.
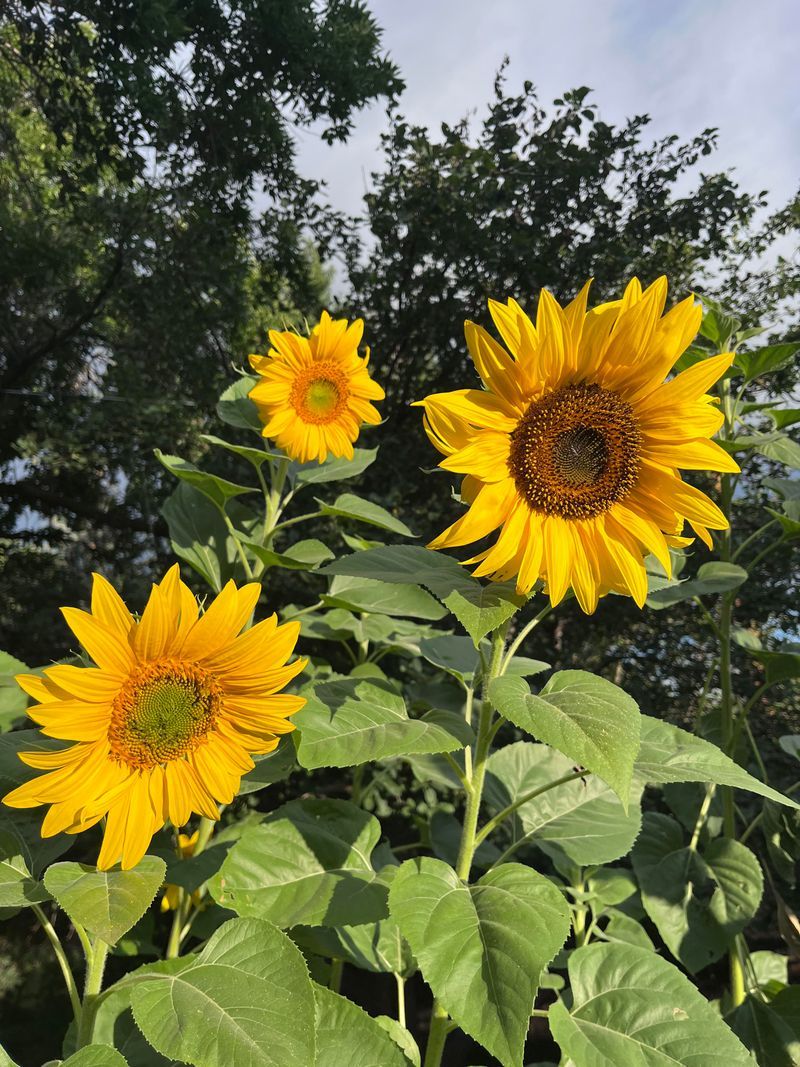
(166, 723)
(315, 392)
(573, 447)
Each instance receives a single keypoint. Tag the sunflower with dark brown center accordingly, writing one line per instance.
(574, 445)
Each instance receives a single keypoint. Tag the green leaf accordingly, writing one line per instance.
(17, 888)
(783, 449)
(106, 903)
(623, 929)
(349, 506)
(669, 754)
(718, 325)
(631, 1007)
(349, 722)
(237, 409)
(13, 771)
(95, 1056)
(245, 1001)
(5, 1059)
(257, 456)
(478, 608)
(481, 948)
(456, 655)
(765, 360)
(335, 470)
(699, 900)
(377, 947)
(370, 595)
(307, 863)
(401, 1037)
(783, 418)
(582, 822)
(218, 490)
(611, 885)
(347, 1035)
(781, 665)
(25, 827)
(13, 701)
(301, 556)
(199, 536)
(712, 578)
(587, 718)
(276, 766)
(770, 1036)
(445, 833)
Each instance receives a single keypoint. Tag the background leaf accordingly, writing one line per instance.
(347, 1035)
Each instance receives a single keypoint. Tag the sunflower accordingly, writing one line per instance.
(172, 893)
(573, 446)
(315, 391)
(165, 724)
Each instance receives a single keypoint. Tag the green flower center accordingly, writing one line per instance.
(163, 712)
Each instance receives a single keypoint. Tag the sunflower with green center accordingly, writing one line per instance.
(573, 447)
(166, 723)
(315, 392)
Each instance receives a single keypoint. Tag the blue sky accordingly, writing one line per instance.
(725, 63)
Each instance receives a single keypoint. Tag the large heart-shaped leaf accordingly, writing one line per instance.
(309, 862)
(245, 1001)
(199, 536)
(347, 1035)
(236, 408)
(630, 1007)
(349, 722)
(698, 900)
(95, 1056)
(481, 948)
(669, 754)
(582, 821)
(106, 903)
(368, 594)
(588, 719)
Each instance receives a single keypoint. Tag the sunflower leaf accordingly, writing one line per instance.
(218, 490)
(308, 862)
(334, 470)
(346, 1034)
(479, 608)
(481, 948)
(18, 889)
(579, 823)
(669, 754)
(245, 1001)
(350, 506)
(587, 718)
(95, 1056)
(106, 903)
(199, 536)
(385, 598)
(698, 899)
(351, 721)
(236, 408)
(667, 1021)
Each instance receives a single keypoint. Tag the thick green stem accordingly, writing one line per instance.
(91, 991)
(401, 999)
(474, 789)
(335, 978)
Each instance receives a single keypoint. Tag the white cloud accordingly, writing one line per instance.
(724, 63)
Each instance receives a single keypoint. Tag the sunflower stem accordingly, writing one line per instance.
(91, 992)
(401, 999)
(63, 962)
(440, 1021)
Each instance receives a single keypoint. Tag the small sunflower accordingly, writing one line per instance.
(573, 446)
(315, 391)
(165, 724)
(172, 893)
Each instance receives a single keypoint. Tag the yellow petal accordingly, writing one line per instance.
(104, 646)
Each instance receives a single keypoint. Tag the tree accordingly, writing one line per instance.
(135, 267)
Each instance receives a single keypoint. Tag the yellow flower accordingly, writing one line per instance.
(166, 722)
(172, 893)
(573, 446)
(315, 391)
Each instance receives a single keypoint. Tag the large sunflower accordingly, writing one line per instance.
(573, 446)
(315, 391)
(166, 721)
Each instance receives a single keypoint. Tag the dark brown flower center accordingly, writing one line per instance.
(575, 452)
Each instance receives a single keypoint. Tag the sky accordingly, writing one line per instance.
(689, 64)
